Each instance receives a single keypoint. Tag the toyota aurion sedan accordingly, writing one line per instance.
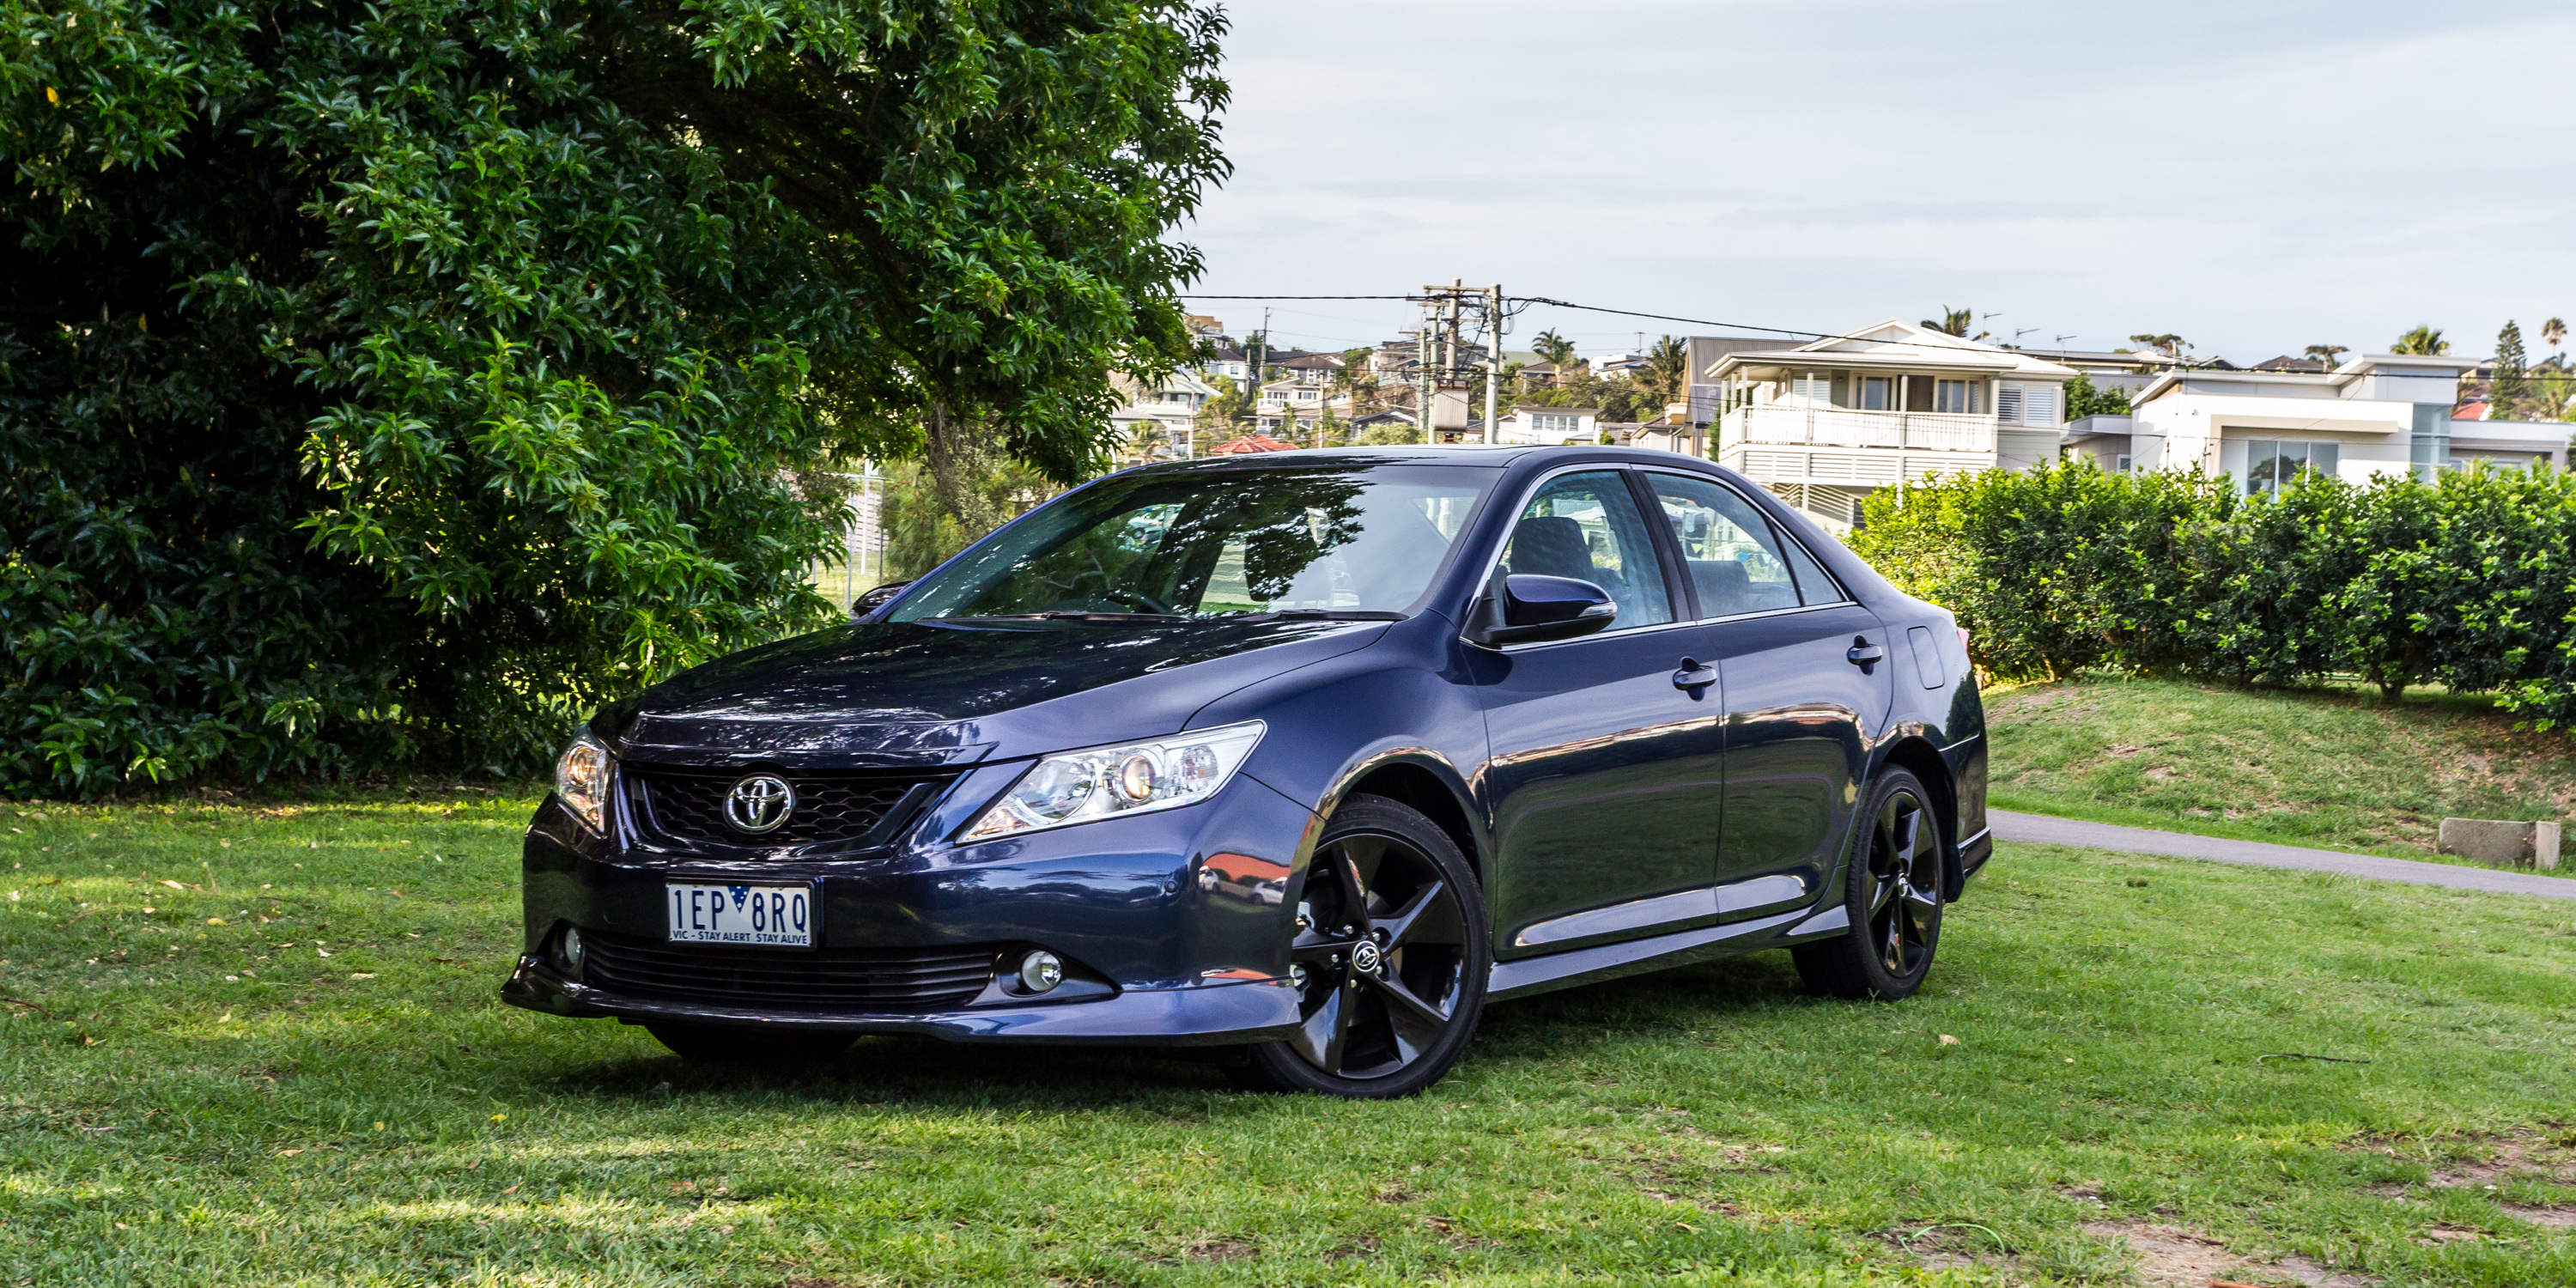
(1307, 755)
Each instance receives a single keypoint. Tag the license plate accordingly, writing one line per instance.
(767, 916)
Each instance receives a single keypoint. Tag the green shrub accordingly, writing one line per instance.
(2468, 580)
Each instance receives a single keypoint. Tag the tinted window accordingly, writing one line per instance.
(1209, 543)
(1737, 562)
(1586, 526)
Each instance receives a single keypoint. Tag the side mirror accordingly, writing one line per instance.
(876, 599)
(1532, 608)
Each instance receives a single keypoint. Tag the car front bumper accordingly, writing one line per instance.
(1176, 923)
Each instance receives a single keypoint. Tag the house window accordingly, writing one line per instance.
(2123, 466)
(1811, 386)
(2271, 465)
(2038, 405)
(1952, 396)
(2008, 404)
(1877, 393)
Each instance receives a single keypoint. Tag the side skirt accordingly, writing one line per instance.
(1529, 975)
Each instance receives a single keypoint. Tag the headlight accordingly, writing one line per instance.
(581, 778)
(1111, 782)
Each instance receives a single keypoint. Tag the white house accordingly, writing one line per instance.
(1173, 405)
(1824, 424)
(2380, 413)
(1549, 425)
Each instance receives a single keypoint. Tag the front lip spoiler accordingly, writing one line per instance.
(1216, 1013)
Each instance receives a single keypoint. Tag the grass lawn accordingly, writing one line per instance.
(2301, 767)
(295, 1070)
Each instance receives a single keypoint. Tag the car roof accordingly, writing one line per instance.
(1422, 454)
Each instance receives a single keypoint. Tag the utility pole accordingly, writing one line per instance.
(1423, 380)
(1493, 360)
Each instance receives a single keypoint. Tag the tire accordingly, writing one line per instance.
(1390, 943)
(743, 1047)
(1893, 896)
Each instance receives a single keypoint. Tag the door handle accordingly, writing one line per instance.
(1864, 654)
(1694, 675)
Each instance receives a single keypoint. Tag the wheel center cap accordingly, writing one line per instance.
(1365, 958)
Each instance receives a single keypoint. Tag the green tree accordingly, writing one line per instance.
(2084, 399)
(2423, 341)
(2326, 353)
(921, 529)
(1328, 429)
(1667, 371)
(376, 381)
(2510, 388)
(1391, 433)
(2170, 345)
(1953, 321)
(1555, 348)
(1230, 406)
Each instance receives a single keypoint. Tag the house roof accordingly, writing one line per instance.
(1251, 443)
(2390, 364)
(1309, 361)
(1897, 345)
(1518, 408)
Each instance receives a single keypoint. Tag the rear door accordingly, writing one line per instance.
(1603, 776)
(1799, 714)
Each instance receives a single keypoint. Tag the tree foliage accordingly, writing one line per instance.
(402, 377)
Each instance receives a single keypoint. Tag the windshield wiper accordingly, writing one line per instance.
(1073, 615)
(1334, 614)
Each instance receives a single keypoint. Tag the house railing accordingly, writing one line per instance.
(1778, 423)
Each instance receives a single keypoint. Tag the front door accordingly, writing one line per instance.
(1800, 714)
(1604, 773)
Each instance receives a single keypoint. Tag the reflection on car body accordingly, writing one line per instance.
(1308, 755)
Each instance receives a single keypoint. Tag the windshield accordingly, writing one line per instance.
(1337, 539)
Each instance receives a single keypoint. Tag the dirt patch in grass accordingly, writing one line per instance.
(1221, 1250)
(2529, 1154)
(2556, 1218)
(2173, 1256)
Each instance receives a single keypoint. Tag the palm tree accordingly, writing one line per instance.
(1953, 321)
(1553, 347)
(2168, 344)
(2325, 353)
(1667, 369)
(2422, 342)
(2553, 332)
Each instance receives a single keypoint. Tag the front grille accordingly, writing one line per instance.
(832, 808)
(787, 978)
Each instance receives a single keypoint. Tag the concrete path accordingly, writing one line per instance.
(2043, 830)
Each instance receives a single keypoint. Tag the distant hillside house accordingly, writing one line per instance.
(1826, 423)
(1551, 426)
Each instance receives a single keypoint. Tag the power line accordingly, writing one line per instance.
(1524, 301)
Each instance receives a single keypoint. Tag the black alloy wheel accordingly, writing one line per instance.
(1894, 900)
(1389, 953)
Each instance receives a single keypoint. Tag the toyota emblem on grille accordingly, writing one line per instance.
(759, 803)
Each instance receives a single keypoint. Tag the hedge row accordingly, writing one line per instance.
(2468, 580)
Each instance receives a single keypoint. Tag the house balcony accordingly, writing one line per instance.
(1786, 424)
(1793, 443)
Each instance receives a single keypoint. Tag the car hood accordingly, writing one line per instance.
(911, 693)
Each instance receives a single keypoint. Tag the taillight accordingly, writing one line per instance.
(1963, 639)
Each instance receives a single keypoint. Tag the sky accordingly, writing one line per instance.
(2255, 177)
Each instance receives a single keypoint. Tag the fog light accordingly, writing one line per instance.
(1041, 971)
(568, 951)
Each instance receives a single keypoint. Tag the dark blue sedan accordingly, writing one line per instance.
(1308, 755)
